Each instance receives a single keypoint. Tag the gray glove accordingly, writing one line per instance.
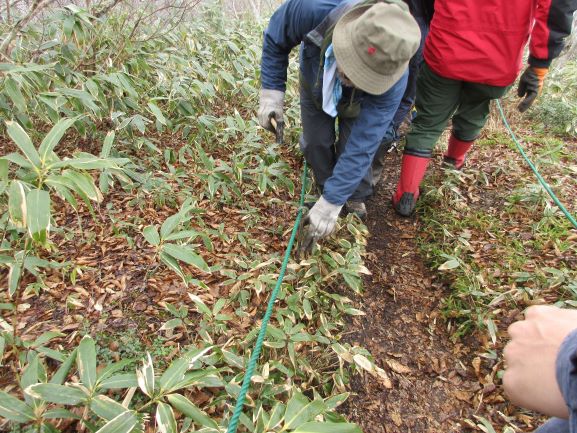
(271, 105)
(321, 220)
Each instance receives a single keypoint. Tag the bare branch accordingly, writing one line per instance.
(107, 8)
(37, 7)
(8, 17)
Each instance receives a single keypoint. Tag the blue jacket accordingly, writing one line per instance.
(288, 27)
(567, 380)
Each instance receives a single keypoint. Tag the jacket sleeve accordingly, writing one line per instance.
(287, 28)
(367, 131)
(567, 376)
(553, 19)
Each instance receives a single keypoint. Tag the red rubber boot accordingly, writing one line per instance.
(457, 152)
(412, 172)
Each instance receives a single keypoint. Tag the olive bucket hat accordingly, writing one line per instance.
(373, 45)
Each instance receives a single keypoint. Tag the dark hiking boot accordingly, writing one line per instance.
(413, 170)
(357, 207)
(406, 205)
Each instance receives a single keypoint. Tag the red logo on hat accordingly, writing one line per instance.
(371, 50)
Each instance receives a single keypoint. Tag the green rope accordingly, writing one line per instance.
(541, 180)
(259, 341)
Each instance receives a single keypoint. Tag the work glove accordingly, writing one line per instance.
(321, 220)
(271, 105)
(530, 86)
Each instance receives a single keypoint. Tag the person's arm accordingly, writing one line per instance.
(540, 361)
(553, 19)
(376, 114)
(567, 376)
(287, 28)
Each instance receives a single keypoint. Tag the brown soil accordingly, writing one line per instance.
(432, 385)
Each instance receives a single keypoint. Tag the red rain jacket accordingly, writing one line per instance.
(482, 41)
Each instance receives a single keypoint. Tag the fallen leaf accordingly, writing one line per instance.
(397, 367)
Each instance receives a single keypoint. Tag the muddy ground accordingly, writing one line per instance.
(437, 383)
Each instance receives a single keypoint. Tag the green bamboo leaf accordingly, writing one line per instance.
(299, 410)
(157, 113)
(125, 83)
(200, 305)
(59, 414)
(106, 408)
(84, 183)
(30, 376)
(15, 410)
(186, 407)
(276, 415)
(2, 346)
(13, 89)
(46, 336)
(145, 376)
(23, 69)
(171, 223)
(120, 381)
(150, 233)
(233, 359)
(185, 234)
(14, 274)
(328, 427)
(38, 214)
(336, 400)
(86, 361)
(19, 160)
(22, 140)
(107, 145)
(3, 169)
(112, 368)
(90, 163)
(53, 137)
(171, 324)
(59, 377)
(175, 372)
(449, 264)
(81, 95)
(51, 353)
(123, 423)
(65, 187)
(60, 394)
(186, 255)
(172, 264)
(165, 420)
(17, 203)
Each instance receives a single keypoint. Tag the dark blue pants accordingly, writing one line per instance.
(322, 146)
(554, 425)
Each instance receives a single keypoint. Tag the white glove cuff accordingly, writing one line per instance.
(272, 97)
(327, 208)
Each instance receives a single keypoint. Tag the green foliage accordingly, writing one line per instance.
(487, 233)
(39, 177)
(557, 107)
(48, 399)
(167, 118)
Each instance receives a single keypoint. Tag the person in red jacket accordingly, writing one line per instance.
(473, 54)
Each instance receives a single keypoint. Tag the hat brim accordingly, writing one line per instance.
(352, 65)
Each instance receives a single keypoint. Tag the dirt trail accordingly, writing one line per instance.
(405, 333)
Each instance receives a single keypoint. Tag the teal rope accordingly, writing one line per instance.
(541, 180)
(259, 341)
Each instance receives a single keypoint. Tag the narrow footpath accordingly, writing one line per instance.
(432, 381)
